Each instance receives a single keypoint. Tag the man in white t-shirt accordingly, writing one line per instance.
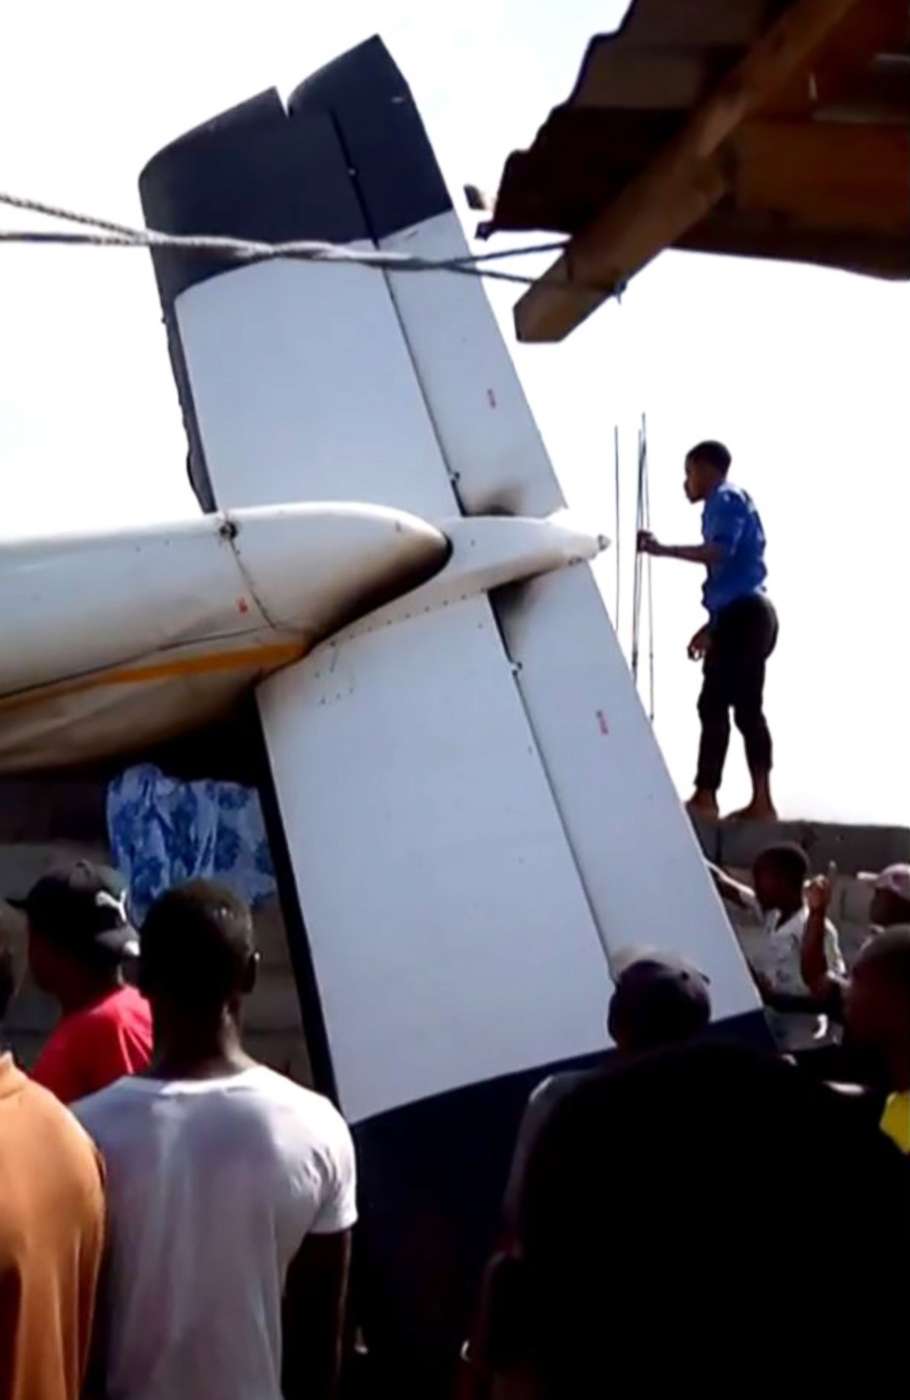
(777, 903)
(231, 1190)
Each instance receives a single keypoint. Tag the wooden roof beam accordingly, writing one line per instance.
(681, 185)
(849, 178)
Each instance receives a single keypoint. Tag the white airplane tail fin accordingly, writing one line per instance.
(475, 807)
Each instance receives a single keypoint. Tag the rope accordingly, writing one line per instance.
(105, 233)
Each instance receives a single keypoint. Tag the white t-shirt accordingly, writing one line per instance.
(212, 1186)
(778, 959)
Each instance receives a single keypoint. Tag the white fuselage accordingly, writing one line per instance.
(114, 641)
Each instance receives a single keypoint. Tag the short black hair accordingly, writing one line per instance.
(714, 453)
(654, 1004)
(196, 946)
(787, 860)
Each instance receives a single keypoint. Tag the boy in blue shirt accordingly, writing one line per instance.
(740, 634)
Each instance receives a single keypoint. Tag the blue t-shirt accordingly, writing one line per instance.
(731, 521)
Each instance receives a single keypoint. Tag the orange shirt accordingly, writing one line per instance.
(92, 1047)
(51, 1238)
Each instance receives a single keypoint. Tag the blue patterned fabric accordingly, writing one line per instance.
(163, 831)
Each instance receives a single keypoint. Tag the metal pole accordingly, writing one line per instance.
(617, 534)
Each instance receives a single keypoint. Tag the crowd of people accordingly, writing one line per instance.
(183, 1228)
(176, 1219)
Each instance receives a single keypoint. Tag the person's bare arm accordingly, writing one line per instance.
(729, 889)
(496, 1350)
(687, 553)
(315, 1298)
(812, 959)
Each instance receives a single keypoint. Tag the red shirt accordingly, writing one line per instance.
(91, 1048)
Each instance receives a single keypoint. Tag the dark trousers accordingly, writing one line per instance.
(743, 636)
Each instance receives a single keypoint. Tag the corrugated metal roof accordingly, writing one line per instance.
(821, 173)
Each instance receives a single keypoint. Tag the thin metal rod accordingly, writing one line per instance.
(649, 582)
(617, 534)
(637, 576)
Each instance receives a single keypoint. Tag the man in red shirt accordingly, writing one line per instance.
(79, 937)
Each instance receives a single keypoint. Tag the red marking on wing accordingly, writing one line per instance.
(242, 605)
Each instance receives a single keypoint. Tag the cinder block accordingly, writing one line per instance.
(855, 848)
(22, 864)
(271, 935)
(274, 1005)
(741, 842)
(855, 901)
(51, 809)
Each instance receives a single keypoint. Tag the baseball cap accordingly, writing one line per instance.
(660, 993)
(894, 878)
(652, 961)
(81, 906)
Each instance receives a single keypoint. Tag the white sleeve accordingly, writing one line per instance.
(338, 1207)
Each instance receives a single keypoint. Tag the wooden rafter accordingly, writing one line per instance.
(682, 184)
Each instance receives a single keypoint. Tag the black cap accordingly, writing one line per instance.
(80, 907)
(659, 995)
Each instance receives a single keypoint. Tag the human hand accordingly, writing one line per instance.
(699, 644)
(648, 543)
(820, 889)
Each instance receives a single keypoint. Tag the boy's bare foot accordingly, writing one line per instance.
(761, 808)
(704, 805)
(754, 812)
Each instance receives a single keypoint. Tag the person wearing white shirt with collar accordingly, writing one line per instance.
(777, 900)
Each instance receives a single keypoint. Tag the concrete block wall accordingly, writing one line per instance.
(735, 845)
(853, 848)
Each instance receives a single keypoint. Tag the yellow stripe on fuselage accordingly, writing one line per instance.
(267, 658)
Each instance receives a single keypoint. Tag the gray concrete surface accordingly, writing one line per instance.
(854, 848)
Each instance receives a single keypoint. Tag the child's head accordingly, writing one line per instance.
(778, 876)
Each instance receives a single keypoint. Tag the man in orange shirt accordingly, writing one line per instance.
(51, 1235)
(78, 938)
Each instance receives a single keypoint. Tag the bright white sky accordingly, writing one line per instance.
(802, 372)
